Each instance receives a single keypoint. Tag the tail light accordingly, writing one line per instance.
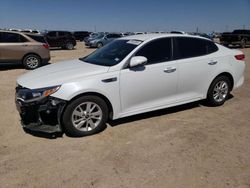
(46, 46)
(240, 57)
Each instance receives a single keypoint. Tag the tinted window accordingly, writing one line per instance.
(240, 31)
(63, 33)
(211, 47)
(11, 38)
(186, 47)
(52, 34)
(157, 51)
(37, 38)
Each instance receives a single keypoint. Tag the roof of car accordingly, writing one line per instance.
(144, 37)
(19, 32)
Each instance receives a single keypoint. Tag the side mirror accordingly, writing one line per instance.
(137, 60)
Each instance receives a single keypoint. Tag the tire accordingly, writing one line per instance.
(69, 46)
(219, 91)
(99, 45)
(78, 119)
(243, 43)
(31, 61)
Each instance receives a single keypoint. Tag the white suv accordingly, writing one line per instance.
(131, 75)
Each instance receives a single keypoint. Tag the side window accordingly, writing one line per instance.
(116, 36)
(11, 38)
(22, 39)
(157, 51)
(61, 34)
(211, 47)
(187, 47)
(109, 36)
(52, 34)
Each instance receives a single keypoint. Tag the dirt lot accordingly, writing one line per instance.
(187, 146)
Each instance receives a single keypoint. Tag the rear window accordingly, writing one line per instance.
(241, 31)
(187, 47)
(37, 38)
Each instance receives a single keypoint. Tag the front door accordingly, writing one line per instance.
(152, 85)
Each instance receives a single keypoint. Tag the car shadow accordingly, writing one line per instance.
(161, 112)
(10, 66)
(60, 49)
(44, 134)
(156, 113)
(15, 65)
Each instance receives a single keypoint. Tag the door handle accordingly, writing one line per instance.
(110, 80)
(170, 70)
(212, 62)
(25, 44)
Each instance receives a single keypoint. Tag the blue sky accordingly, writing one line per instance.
(126, 15)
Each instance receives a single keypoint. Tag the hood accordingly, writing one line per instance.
(59, 73)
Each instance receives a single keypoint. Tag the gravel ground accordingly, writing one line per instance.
(186, 146)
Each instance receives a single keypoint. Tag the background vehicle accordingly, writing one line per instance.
(81, 35)
(30, 31)
(131, 75)
(237, 37)
(202, 35)
(179, 32)
(63, 39)
(102, 40)
(30, 49)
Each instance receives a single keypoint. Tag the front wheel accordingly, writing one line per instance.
(85, 116)
(219, 91)
(31, 61)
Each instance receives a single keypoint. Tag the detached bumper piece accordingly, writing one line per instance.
(43, 115)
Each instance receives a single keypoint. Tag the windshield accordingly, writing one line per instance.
(113, 53)
(97, 36)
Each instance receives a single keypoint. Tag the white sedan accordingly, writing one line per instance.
(131, 75)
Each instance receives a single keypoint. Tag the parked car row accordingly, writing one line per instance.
(101, 39)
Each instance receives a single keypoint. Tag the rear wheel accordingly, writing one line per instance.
(85, 116)
(219, 91)
(243, 43)
(99, 45)
(31, 61)
(69, 46)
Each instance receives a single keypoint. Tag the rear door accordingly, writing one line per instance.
(12, 46)
(197, 62)
(51, 38)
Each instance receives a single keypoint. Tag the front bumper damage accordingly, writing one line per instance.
(43, 115)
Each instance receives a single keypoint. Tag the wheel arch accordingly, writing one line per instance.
(107, 101)
(31, 53)
(227, 74)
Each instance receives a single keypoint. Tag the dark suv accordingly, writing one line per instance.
(80, 35)
(63, 39)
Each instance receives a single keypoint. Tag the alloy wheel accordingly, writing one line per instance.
(86, 116)
(220, 91)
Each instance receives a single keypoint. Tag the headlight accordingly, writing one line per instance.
(44, 92)
(28, 95)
